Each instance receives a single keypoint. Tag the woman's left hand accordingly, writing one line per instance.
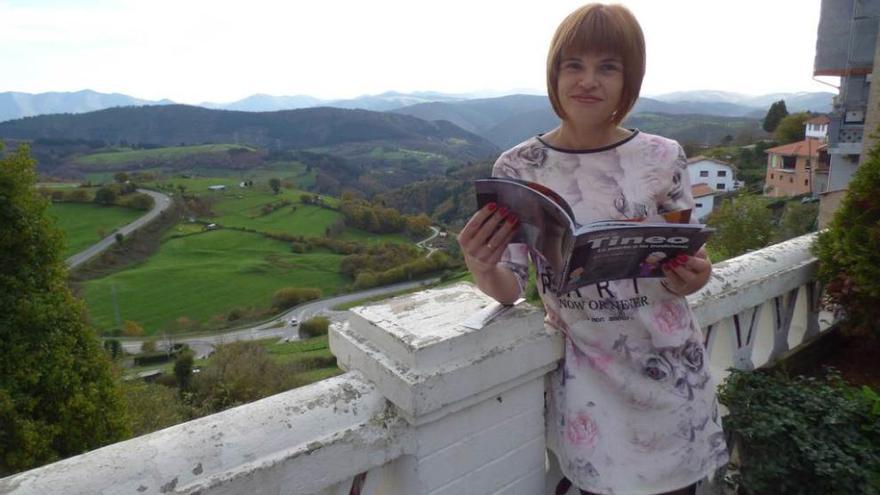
(687, 274)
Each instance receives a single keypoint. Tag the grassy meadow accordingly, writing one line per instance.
(82, 222)
(124, 157)
(204, 276)
(198, 276)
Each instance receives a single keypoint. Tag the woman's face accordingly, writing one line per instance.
(590, 86)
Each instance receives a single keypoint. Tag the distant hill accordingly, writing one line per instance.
(819, 101)
(508, 120)
(17, 105)
(290, 129)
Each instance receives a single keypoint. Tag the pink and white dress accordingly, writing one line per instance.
(631, 409)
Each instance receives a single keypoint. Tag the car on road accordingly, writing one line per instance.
(293, 322)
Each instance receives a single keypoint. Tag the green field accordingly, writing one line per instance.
(126, 157)
(82, 221)
(205, 275)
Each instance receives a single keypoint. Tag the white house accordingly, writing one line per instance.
(817, 127)
(704, 200)
(716, 173)
(217, 188)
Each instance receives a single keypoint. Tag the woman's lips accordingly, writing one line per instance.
(586, 99)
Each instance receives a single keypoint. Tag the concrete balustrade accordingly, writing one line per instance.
(438, 399)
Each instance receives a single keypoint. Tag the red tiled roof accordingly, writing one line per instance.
(701, 189)
(800, 148)
(820, 120)
(700, 158)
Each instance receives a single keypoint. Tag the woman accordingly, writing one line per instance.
(631, 409)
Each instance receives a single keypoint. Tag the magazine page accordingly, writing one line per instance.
(632, 251)
(545, 226)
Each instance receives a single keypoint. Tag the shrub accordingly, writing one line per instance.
(849, 251)
(315, 327)
(803, 435)
(137, 201)
(289, 297)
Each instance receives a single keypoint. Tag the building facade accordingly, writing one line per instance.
(846, 47)
(717, 174)
(790, 168)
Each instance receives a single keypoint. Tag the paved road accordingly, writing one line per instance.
(161, 203)
(279, 326)
(421, 243)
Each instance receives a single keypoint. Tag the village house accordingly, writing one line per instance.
(790, 168)
(217, 188)
(704, 200)
(716, 173)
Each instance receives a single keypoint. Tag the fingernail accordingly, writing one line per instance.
(503, 211)
(682, 258)
(492, 206)
(512, 219)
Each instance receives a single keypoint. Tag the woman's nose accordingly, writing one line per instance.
(587, 79)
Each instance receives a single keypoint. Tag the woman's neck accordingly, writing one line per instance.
(569, 136)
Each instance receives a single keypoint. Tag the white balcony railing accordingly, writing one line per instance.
(429, 406)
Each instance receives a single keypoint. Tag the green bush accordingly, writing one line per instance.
(289, 297)
(314, 327)
(849, 251)
(803, 435)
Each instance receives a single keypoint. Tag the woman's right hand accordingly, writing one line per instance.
(486, 236)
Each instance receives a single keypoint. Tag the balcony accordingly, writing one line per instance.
(443, 395)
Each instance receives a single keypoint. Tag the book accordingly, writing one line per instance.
(595, 252)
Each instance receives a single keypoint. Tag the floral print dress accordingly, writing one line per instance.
(631, 409)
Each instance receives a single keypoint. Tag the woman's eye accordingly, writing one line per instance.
(571, 66)
(610, 67)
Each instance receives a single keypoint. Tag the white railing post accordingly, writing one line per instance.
(473, 397)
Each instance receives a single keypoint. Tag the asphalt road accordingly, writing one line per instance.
(161, 203)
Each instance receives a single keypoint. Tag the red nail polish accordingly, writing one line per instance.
(503, 211)
(681, 258)
(492, 206)
(512, 219)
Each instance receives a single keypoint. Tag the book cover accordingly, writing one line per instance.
(585, 254)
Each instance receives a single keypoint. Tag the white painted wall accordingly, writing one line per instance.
(703, 207)
(711, 169)
(817, 131)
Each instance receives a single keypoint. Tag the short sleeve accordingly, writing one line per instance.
(678, 195)
(516, 256)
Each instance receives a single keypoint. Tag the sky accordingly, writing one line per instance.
(194, 51)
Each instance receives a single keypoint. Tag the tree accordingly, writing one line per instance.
(275, 184)
(791, 128)
(775, 114)
(120, 177)
(57, 395)
(183, 369)
(132, 329)
(148, 346)
(849, 250)
(105, 196)
(742, 224)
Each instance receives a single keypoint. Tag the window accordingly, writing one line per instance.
(722, 173)
(720, 186)
(789, 162)
(791, 180)
(704, 173)
(698, 205)
(771, 176)
(806, 182)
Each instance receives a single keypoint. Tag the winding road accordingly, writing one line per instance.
(161, 203)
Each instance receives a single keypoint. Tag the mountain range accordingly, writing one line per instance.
(15, 105)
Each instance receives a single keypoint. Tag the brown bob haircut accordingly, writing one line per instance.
(605, 29)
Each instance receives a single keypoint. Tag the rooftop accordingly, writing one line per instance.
(807, 147)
